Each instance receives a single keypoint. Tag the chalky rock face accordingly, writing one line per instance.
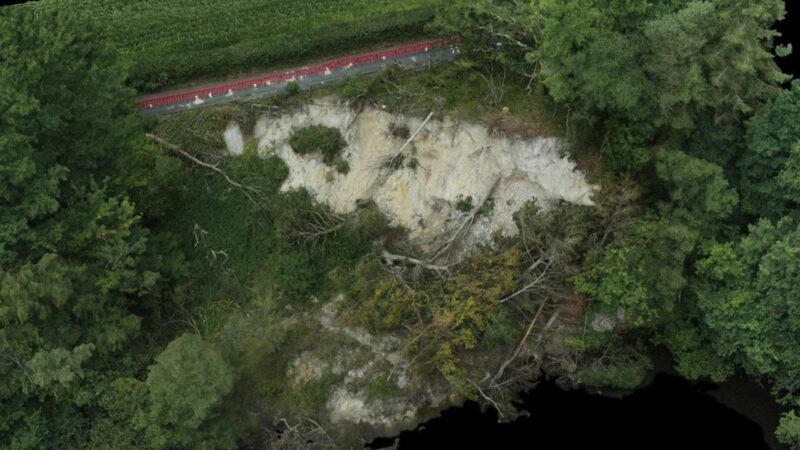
(448, 163)
(233, 139)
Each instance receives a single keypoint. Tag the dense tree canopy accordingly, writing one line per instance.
(77, 266)
(749, 298)
(101, 345)
(664, 62)
(769, 171)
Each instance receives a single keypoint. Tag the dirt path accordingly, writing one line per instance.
(416, 55)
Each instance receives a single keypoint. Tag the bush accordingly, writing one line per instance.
(292, 88)
(788, 431)
(626, 370)
(327, 140)
(341, 166)
(464, 204)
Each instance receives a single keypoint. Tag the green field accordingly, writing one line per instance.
(172, 41)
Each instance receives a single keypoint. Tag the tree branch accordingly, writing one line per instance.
(519, 347)
(174, 148)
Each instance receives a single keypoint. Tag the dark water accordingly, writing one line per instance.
(790, 30)
(669, 411)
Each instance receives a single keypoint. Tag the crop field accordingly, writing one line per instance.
(174, 40)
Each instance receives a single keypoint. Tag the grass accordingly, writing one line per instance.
(460, 91)
(170, 41)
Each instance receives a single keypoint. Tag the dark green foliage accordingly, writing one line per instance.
(698, 193)
(186, 388)
(768, 187)
(181, 404)
(664, 64)
(79, 273)
(691, 344)
(789, 430)
(501, 330)
(626, 150)
(504, 43)
(638, 71)
(292, 88)
(341, 166)
(464, 204)
(624, 369)
(747, 293)
(318, 138)
(109, 249)
(646, 274)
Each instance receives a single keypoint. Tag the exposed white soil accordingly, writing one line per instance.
(454, 160)
(233, 139)
(365, 359)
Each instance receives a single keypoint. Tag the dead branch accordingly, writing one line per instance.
(519, 347)
(546, 327)
(321, 225)
(411, 138)
(187, 318)
(305, 434)
(407, 260)
(181, 152)
(489, 399)
(536, 281)
(465, 225)
(203, 233)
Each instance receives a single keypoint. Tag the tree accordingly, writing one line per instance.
(698, 194)
(186, 387)
(77, 270)
(644, 276)
(647, 272)
(747, 292)
(768, 181)
(713, 57)
(589, 53)
(498, 34)
(789, 430)
(643, 70)
(181, 404)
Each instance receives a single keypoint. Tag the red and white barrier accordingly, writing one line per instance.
(222, 89)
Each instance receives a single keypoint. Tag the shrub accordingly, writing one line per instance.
(400, 131)
(625, 370)
(464, 204)
(292, 88)
(326, 140)
(341, 166)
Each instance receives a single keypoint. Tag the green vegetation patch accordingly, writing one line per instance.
(464, 204)
(318, 138)
(626, 371)
(175, 40)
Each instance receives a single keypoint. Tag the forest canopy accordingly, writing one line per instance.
(126, 323)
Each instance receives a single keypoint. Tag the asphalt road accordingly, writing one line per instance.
(414, 61)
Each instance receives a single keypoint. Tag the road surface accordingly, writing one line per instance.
(413, 56)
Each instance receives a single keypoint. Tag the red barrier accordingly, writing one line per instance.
(190, 95)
